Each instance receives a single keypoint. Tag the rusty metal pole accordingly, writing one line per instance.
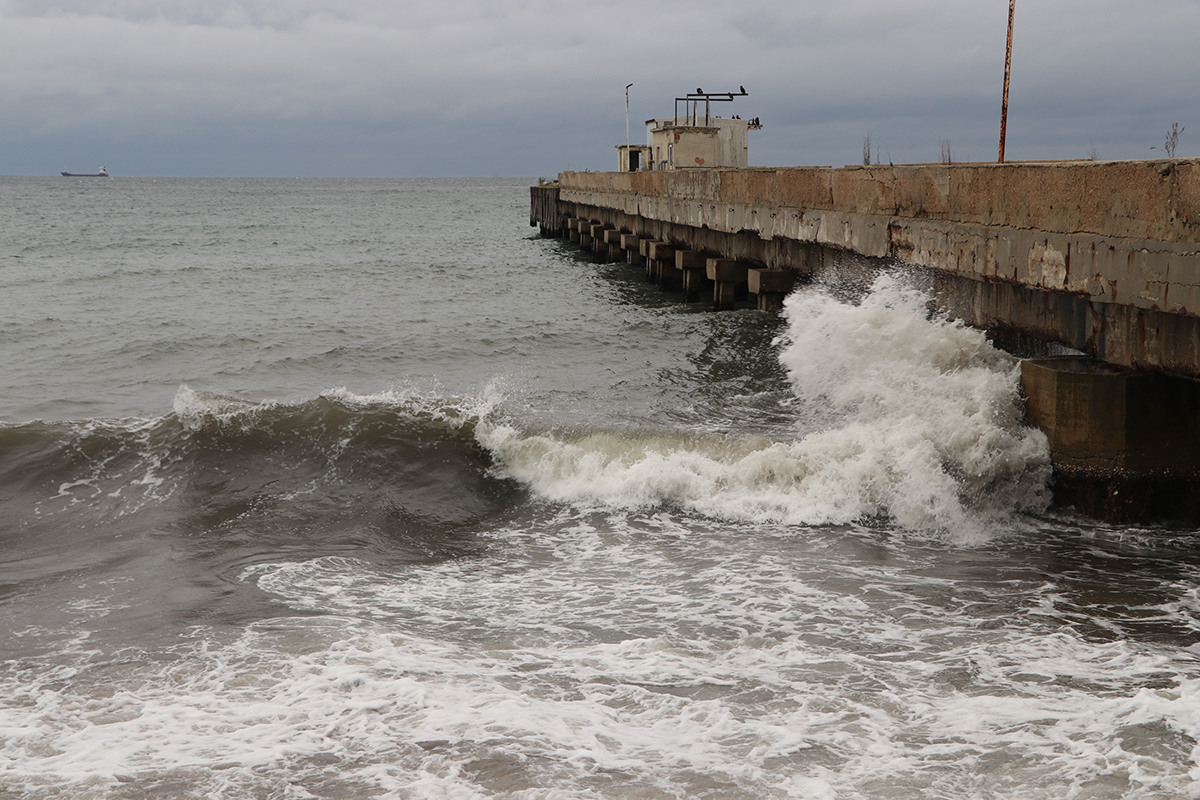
(1012, 7)
(627, 120)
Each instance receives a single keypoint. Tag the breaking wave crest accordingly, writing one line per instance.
(889, 413)
(413, 453)
(896, 414)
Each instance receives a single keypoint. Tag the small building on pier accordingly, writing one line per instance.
(633, 158)
(697, 142)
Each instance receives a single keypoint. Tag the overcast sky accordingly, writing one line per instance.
(366, 88)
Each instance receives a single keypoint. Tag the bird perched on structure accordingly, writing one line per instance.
(743, 88)
(699, 90)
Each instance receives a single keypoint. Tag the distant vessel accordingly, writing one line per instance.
(103, 173)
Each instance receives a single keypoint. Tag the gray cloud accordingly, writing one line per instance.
(470, 87)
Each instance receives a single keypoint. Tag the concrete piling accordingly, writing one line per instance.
(662, 256)
(771, 286)
(1125, 445)
(631, 243)
(727, 276)
(693, 278)
(599, 248)
(646, 246)
(612, 243)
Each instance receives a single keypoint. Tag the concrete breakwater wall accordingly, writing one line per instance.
(1101, 256)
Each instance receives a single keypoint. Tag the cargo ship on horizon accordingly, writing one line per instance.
(103, 173)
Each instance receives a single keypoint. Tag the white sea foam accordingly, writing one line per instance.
(926, 427)
(124, 479)
(195, 407)
(611, 662)
(427, 400)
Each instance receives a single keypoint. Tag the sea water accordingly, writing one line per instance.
(349, 489)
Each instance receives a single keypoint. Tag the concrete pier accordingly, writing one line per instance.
(1102, 257)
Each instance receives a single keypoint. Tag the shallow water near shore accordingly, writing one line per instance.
(342, 489)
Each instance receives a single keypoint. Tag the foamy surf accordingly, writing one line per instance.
(196, 409)
(278, 589)
(923, 425)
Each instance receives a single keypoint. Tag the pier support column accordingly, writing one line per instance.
(651, 264)
(573, 230)
(692, 266)
(1125, 445)
(599, 248)
(727, 275)
(631, 242)
(771, 286)
(612, 243)
(662, 255)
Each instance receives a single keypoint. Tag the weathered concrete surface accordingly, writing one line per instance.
(692, 266)
(727, 276)
(1153, 200)
(543, 210)
(1103, 256)
(1105, 421)
(770, 286)
(632, 245)
(1125, 445)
